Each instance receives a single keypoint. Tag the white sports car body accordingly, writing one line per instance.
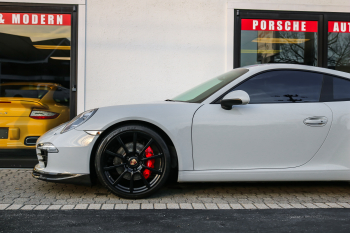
(277, 122)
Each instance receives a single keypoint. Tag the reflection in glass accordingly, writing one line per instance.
(339, 51)
(283, 86)
(260, 47)
(34, 81)
(38, 53)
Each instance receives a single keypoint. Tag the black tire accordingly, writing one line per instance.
(120, 161)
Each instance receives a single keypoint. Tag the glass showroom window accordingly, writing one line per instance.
(339, 46)
(278, 41)
(35, 76)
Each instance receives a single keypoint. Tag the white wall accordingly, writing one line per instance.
(148, 50)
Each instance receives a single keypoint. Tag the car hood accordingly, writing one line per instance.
(162, 113)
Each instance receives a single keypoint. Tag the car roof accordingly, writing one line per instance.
(263, 67)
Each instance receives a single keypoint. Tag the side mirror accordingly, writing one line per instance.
(234, 98)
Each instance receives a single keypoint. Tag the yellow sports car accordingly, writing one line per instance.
(28, 110)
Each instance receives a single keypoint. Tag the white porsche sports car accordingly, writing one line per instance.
(277, 122)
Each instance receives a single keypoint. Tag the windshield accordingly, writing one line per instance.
(25, 91)
(199, 93)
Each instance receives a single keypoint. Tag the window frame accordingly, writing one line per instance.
(331, 17)
(322, 34)
(71, 9)
(217, 100)
(280, 15)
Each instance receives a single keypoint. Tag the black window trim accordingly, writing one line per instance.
(322, 33)
(217, 100)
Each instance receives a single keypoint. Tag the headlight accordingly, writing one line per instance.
(79, 120)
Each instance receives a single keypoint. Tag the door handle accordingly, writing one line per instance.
(316, 121)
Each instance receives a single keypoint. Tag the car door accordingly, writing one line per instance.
(283, 126)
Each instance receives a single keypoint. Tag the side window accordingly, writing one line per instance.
(283, 86)
(341, 89)
(335, 89)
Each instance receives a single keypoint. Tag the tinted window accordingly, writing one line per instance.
(335, 89)
(341, 89)
(283, 86)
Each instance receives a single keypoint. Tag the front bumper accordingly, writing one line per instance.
(68, 161)
(70, 178)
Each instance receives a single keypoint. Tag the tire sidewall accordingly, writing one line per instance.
(104, 142)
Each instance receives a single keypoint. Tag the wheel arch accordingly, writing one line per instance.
(164, 135)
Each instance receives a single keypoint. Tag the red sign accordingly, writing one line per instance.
(278, 25)
(35, 19)
(335, 26)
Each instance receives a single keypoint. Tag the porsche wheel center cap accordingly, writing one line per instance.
(133, 162)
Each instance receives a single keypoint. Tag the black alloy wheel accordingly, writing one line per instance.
(123, 167)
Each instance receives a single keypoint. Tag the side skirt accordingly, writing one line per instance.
(292, 174)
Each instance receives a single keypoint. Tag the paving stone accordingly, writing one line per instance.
(185, 206)
(173, 206)
(147, 206)
(159, 206)
(133, 206)
(334, 205)
(261, 206)
(223, 206)
(81, 206)
(19, 188)
(94, 206)
(285, 206)
(236, 206)
(248, 206)
(310, 205)
(107, 207)
(41, 207)
(322, 205)
(28, 207)
(67, 207)
(4, 206)
(345, 205)
(54, 207)
(211, 206)
(273, 206)
(121, 206)
(297, 205)
(198, 206)
(14, 207)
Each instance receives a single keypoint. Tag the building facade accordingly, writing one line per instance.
(83, 54)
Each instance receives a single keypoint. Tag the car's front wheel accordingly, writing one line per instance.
(132, 161)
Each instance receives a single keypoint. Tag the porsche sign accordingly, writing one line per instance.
(279, 25)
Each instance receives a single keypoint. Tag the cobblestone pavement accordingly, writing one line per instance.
(18, 190)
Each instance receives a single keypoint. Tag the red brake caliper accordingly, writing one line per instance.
(149, 163)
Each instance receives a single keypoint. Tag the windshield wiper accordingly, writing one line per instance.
(170, 100)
